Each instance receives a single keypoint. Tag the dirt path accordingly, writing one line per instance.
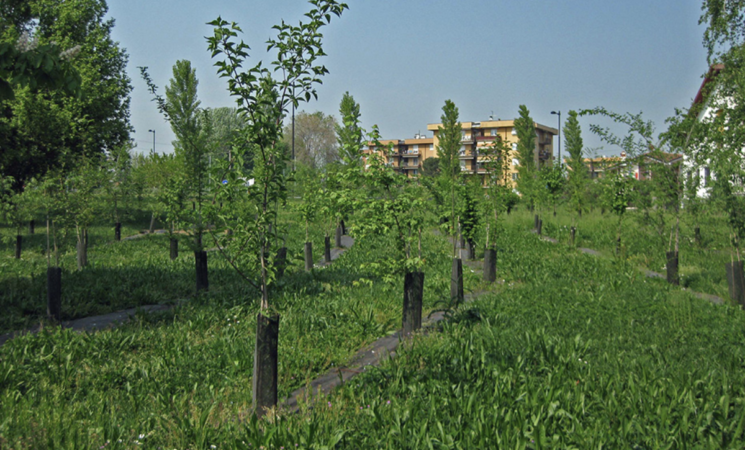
(371, 355)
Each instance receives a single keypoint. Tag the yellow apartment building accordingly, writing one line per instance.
(408, 155)
(477, 135)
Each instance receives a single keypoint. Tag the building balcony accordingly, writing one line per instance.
(410, 154)
(411, 166)
(485, 138)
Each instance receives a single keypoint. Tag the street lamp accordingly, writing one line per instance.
(559, 113)
(152, 131)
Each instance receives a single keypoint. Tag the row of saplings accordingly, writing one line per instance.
(267, 330)
(54, 273)
(734, 269)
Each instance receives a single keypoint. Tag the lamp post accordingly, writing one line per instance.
(559, 113)
(152, 131)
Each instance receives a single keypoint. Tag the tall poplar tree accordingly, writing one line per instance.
(349, 133)
(181, 108)
(191, 147)
(527, 170)
(577, 182)
(448, 146)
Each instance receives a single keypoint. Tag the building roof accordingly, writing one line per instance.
(663, 156)
(710, 76)
(492, 124)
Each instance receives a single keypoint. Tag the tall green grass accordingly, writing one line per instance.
(701, 265)
(579, 353)
(182, 378)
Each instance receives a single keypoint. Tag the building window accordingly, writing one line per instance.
(515, 176)
(415, 161)
(707, 176)
(431, 147)
(493, 132)
(415, 172)
(514, 131)
(515, 162)
(514, 146)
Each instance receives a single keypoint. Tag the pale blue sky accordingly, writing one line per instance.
(402, 59)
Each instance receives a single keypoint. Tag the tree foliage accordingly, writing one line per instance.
(225, 125)
(349, 133)
(315, 139)
(448, 146)
(725, 20)
(431, 167)
(499, 196)
(577, 176)
(43, 127)
(187, 120)
(392, 206)
(264, 100)
(527, 170)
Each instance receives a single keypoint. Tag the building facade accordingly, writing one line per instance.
(408, 155)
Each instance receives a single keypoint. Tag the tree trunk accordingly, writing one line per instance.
(19, 245)
(200, 258)
(54, 293)
(343, 227)
(672, 268)
(697, 235)
(338, 236)
(82, 257)
(152, 223)
(736, 282)
(456, 282)
(572, 235)
(174, 248)
(308, 256)
(281, 261)
(118, 231)
(31, 226)
(413, 294)
(535, 222)
(539, 228)
(327, 250)
(265, 373)
(490, 265)
(471, 250)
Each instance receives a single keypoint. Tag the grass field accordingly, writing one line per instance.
(701, 265)
(572, 351)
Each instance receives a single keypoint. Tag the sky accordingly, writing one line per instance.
(401, 59)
